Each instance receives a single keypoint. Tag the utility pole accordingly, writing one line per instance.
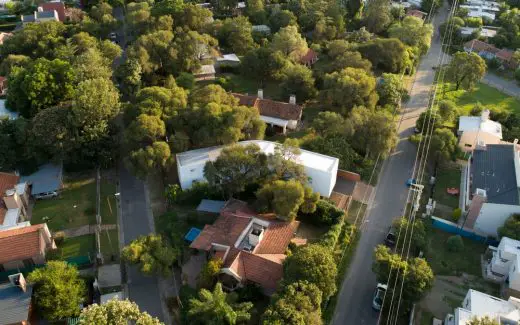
(98, 216)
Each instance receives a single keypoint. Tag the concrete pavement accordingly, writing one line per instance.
(137, 221)
(355, 297)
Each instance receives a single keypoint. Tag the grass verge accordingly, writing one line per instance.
(77, 246)
(447, 177)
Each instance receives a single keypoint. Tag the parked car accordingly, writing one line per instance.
(379, 295)
(411, 181)
(46, 195)
(112, 36)
(391, 238)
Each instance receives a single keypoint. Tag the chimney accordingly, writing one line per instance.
(19, 281)
(485, 115)
(260, 94)
(292, 99)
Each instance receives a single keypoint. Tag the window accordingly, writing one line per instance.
(28, 262)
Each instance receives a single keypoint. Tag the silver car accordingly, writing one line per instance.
(379, 295)
(46, 195)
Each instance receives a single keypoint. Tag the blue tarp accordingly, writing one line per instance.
(211, 206)
(48, 178)
(192, 234)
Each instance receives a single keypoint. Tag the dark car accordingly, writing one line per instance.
(390, 238)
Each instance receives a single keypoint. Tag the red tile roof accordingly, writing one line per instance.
(479, 46)
(309, 58)
(271, 108)
(225, 231)
(277, 237)
(254, 268)
(505, 54)
(21, 243)
(58, 6)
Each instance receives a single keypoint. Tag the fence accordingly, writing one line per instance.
(453, 228)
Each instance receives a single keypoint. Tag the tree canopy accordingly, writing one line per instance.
(152, 253)
(116, 312)
(465, 69)
(511, 228)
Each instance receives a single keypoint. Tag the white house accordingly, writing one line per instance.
(478, 304)
(482, 9)
(478, 131)
(505, 265)
(228, 59)
(263, 29)
(492, 181)
(321, 169)
(40, 16)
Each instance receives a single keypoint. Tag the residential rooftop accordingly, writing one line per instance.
(15, 304)
(21, 243)
(493, 170)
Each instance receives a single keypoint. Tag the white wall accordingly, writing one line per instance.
(321, 181)
(492, 216)
(514, 277)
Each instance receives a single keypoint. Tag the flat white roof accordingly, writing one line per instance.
(509, 245)
(229, 57)
(206, 69)
(475, 123)
(11, 217)
(482, 304)
(261, 28)
(306, 158)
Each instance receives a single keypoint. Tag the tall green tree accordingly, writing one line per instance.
(390, 89)
(511, 228)
(387, 54)
(465, 70)
(280, 19)
(331, 123)
(290, 42)
(298, 80)
(297, 303)
(443, 145)
(348, 88)
(116, 312)
(413, 31)
(217, 308)
(235, 34)
(149, 159)
(313, 263)
(377, 17)
(41, 85)
(281, 197)
(376, 132)
(59, 291)
(152, 253)
(264, 64)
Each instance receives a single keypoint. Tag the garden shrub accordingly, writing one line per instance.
(209, 272)
(192, 196)
(455, 244)
(456, 214)
(326, 214)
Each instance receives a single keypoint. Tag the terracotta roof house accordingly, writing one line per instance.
(252, 247)
(15, 301)
(275, 113)
(489, 51)
(416, 13)
(3, 85)
(59, 7)
(14, 201)
(24, 247)
(309, 58)
(505, 56)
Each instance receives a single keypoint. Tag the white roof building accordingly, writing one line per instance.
(480, 123)
(485, 32)
(229, 58)
(478, 304)
(261, 29)
(321, 169)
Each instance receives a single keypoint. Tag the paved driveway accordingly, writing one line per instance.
(136, 221)
(356, 293)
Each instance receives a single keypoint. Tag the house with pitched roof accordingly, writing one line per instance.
(309, 58)
(57, 6)
(488, 51)
(15, 301)
(251, 247)
(277, 114)
(24, 246)
(476, 131)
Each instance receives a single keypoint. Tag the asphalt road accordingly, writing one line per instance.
(142, 290)
(355, 298)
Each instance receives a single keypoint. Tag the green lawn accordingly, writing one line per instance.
(109, 242)
(353, 211)
(444, 262)
(77, 246)
(76, 205)
(447, 177)
(490, 97)
(242, 84)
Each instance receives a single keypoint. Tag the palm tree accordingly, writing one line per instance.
(216, 308)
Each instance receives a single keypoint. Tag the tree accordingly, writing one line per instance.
(455, 244)
(447, 110)
(443, 145)
(389, 55)
(59, 291)
(96, 101)
(13, 60)
(153, 53)
(235, 34)
(264, 64)
(280, 19)
(36, 41)
(413, 31)
(152, 253)
(52, 131)
(150, 159)
(377, 16)
(283, 163)
(43, 84)
(91, 64)
(348, 88)
(346, 59)
(426, 5)
(255, 11)
(313, 263)
(189, 47)
(298, 80)
(128, 75)
(208, 274)
(282, 197)
(146, 129)
(376, 132)
(511, 227)
(420, 240)
(236, 167)
(485, 320)
(296, 303)
(217, 308)
(290, 42)
(116, 312)
(194, 17)
(432, 119)
(16, 144)
(390, 89)
(331, 123)
(161, 101)
(465, 69)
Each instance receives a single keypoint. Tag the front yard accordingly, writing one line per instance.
(446, 178)
(488, 96)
